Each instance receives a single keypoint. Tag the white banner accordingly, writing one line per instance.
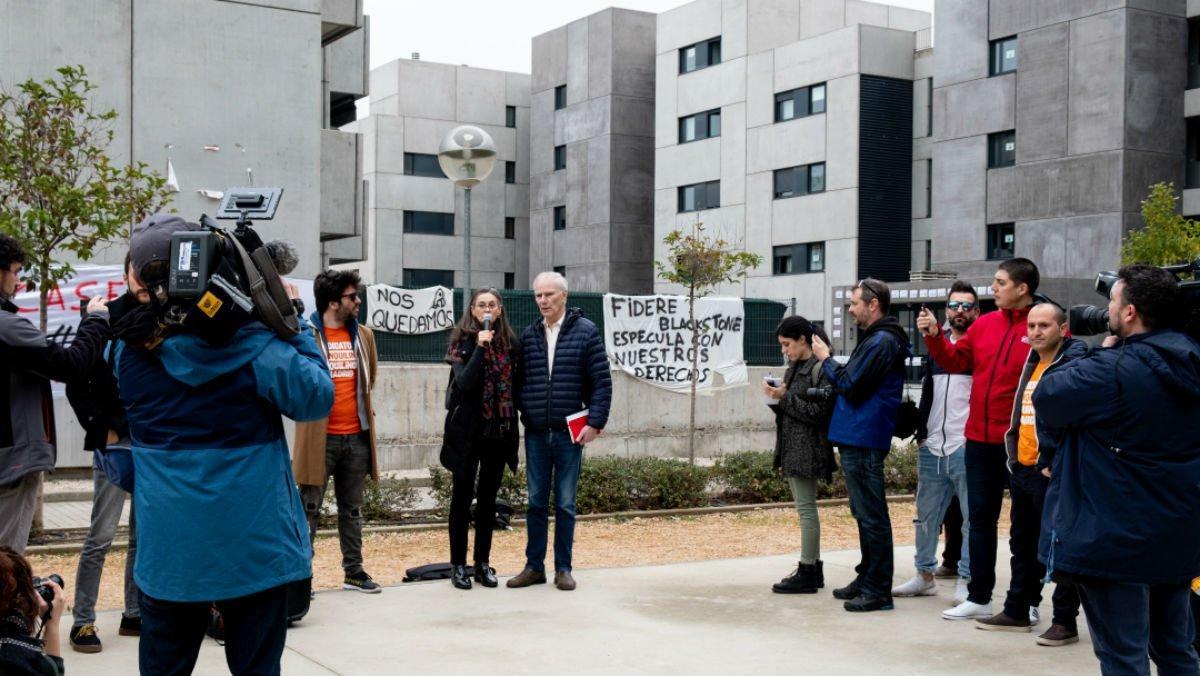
(410, 311)
(650, 338)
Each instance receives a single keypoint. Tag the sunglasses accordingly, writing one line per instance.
(868, 287)
(964, 305)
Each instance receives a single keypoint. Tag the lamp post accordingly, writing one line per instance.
(467, 155)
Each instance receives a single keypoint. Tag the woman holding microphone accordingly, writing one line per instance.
(481, 433)
(802, 452)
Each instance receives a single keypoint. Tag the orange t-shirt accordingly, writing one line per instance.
(1027, 443)
(343, 418)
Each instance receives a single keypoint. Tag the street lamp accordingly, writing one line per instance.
(467, 155)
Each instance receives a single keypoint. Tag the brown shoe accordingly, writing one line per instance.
(527, 577)
(1002, 622)
(1058, 635)
(564, 581)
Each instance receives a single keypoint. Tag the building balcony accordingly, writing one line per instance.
(342, 194)
(339, 17)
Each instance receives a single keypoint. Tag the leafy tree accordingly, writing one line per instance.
(59, 190)
(1167, 238)
(700, 263)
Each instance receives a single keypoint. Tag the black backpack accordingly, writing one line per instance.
(908, 419)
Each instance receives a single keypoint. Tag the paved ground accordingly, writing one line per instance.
(713, 617)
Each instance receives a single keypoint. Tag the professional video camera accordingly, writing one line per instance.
(218, 280)
(1090, 320)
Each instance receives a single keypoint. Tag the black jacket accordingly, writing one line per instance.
(581, 377)
(463, 428)
(94, 397)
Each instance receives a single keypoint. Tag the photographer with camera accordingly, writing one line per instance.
(26, 601)
(219, 516)
(1125, 526)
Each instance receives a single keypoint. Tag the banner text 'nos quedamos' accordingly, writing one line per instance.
(410, 311)
(650, 338)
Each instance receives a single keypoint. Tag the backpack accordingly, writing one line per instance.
(431, 571)
(908, 419)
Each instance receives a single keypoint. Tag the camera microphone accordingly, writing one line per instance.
(487, 321)
(283, 254)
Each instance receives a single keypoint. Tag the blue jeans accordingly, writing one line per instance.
(938, 481)
(551, 456)
(1129, 621)
(863, 468)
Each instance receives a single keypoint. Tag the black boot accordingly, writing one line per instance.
(485, 574)
(819, 574)
(459, 577)
(848, 592)
(801, 581)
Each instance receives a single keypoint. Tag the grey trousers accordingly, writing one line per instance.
(17, 502)
(107, 503)
(347, 460)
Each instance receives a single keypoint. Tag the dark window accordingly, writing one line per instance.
(1001, 241)
(700, 126)
(1193, 53)
(560, 218)
(417, 164)
(510, 280)
(560, 97)
(422, 278)
(1003, 56)
(510, 117)
(797, 181)
(1191, 178)
(1002, 149)
(510, 172)
(561, 269)
(928, 190)
(510, 227)
(560, 157)
(800, 102)
(929, 109)
(792, 259)
(428, 223)
(700, 196)
(700, 55)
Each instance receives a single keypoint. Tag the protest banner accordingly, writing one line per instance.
(409, 311)
(650, 338)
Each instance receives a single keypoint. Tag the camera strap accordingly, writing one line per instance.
(274, 307)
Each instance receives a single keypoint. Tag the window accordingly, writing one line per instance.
(561, 269)
(420, 278)
(417, 164)
(560, 97)
(560, 157)
(510, 117)
(510, 280)
(798, 181)
(560, 218)
(928, 190)
(794, 259)
(510, 227)
(1001, 241)
(700, 126)
(510, 172)
(1003, 56)
(929, 109)
(428, 223)
(700, 196)
(1191, 156)
(700, 55)
(800, 102)
(1002, 149)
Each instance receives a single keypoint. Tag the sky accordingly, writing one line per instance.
(490, 33)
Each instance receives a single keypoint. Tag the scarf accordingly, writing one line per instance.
(497, 379)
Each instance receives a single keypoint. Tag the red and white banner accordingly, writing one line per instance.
(62, 304)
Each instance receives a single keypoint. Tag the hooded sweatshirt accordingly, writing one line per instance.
(869, 387)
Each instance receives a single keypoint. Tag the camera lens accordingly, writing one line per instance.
(1088, 320)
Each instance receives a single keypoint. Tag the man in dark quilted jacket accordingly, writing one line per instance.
(566, 372)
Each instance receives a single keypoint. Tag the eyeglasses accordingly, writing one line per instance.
(350, 295)
(487, 306)
(964, 305)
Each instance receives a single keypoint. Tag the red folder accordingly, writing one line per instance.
(575, 424)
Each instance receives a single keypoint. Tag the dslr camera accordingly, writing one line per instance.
(1091, 320)
(43, 590)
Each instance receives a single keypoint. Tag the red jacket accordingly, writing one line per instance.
(994, 350)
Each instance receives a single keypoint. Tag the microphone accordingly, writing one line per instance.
(283, 254)
(487, 321)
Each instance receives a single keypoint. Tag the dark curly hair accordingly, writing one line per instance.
(16, 586)
(329, 286)
(11, 252)
(1154, 292)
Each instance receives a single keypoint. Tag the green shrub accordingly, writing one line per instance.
(749, 477)
(669, 484)
(606, 484)
(900, 469)
(512, 489)
(383, 500)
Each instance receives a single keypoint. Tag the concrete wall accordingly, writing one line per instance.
(413, 105)
(171, 72)
(606, 61)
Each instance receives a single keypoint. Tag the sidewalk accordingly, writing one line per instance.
(713, 617)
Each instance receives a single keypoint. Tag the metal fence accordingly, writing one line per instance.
(760, 347)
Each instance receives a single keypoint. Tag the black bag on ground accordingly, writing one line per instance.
(431, 571)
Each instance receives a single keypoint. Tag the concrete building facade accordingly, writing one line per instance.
(812, 164)
(592, 152)
(414, 213)
(219, 88)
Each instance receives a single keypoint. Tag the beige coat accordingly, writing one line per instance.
(308, 460)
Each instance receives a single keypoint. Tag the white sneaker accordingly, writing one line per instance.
(917, 586)
(968, 610)
(960, 590)
(1034, 617)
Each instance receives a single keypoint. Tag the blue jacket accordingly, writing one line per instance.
(581, 377)
(218, 513)
(869, 387)
(1125, 485)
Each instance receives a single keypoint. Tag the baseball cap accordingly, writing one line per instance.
(151, 243)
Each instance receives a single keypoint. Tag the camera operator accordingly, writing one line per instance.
(1126, 526)
(22, 607)
(219, 518)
